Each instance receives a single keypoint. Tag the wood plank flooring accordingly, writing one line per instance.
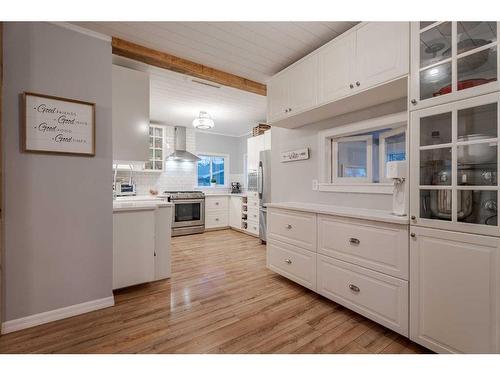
(220, 299)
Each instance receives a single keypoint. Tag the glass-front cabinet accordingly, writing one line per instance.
(454, 164)
(452, 61)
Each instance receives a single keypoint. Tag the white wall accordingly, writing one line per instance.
(293, 181)
(58, 209)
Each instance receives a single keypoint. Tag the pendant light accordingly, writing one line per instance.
(203, 121)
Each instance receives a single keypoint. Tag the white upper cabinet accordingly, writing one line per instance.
(364, 57)
(452, 61)
(335, 69)
(454, 291)
(303, 91)
(382, 52)
(130, 112)
(293, 90)
(277, 97)
(454, 165)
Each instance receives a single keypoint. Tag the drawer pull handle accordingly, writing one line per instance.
(354, 288)
(216, 219)
(353, 241)
(216, 203)
(288, 261)
(288, 226)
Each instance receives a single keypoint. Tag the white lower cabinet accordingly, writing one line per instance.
(350, 261)
(292, 262)
(379, 246)
(379, 297)
(235, 211)
(455, 291)
(133, 248)
(216, 212)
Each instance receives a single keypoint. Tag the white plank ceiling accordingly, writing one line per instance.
(176, 100)
(254, 50)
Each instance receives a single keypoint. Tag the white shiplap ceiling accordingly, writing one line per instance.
(254, 50)
(176, 100)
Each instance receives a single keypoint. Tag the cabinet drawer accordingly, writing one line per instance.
(252, 195)
(292, 262)
(216, 220)
(379, 297)
(253, 203)
(253, 214)
(379, 246)
(216, 203)
(294, 227)
(253, 227)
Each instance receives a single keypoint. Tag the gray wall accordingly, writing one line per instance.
(293, 181)
(58, 209)
(206, 142)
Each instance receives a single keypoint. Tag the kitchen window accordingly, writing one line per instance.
(212, 166)
(156, 149)
(355, 155)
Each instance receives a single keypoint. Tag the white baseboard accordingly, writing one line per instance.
(50, 316)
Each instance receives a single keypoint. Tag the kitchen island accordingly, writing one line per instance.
(141, 240)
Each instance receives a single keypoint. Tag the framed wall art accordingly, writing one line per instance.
(58, 125)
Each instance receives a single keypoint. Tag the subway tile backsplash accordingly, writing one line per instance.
(176, 175)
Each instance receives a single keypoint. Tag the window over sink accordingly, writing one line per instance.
(354, 156)
(212, 167)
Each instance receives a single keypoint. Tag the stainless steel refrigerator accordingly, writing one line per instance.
(264, 190)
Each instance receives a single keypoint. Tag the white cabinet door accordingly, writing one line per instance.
(303, 91)
(335, 69)
(254, 146)
(130, 112)
(267, 140)
(277, 97)
(454, 291)
(235, 212)
(452, 61)
(133, 248)
(252, 157)
(382, 53)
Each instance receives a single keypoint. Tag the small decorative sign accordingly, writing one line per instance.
(302, 154)
(58, 125)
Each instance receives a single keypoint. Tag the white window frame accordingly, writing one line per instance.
(381, 149)
(327, 163)
(226, 170)
(369, 165)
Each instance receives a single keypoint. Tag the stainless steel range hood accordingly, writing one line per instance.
(180, 153)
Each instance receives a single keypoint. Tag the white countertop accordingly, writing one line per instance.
(225, 194)
(356, 213)
(139, 203)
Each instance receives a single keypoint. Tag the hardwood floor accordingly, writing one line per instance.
(220, 299)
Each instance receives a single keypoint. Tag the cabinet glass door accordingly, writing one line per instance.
(453, 60)
(455, 170)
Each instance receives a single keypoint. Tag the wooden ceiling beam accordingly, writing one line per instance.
(177, 64)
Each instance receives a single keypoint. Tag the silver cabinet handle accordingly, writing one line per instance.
(351, 86)
(413, 235)
(358, 84)
(288, 226)
(288, 261)
(354, 288)
(414, 101)
(354, 241)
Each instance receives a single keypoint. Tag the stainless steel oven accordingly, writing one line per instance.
(189, 212)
